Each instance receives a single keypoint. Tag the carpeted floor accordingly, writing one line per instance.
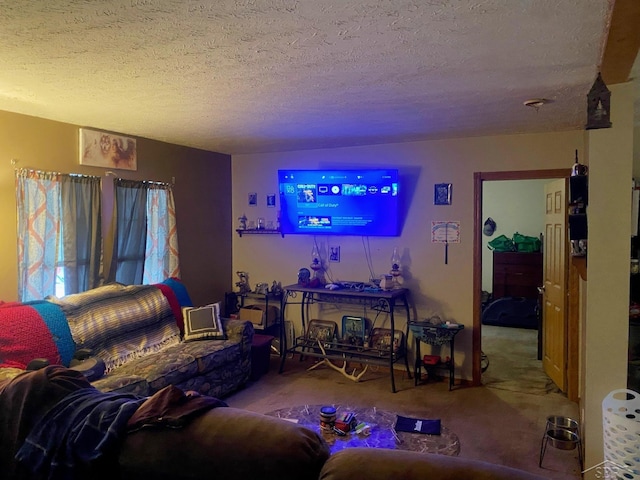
(513, 361)
(495, 425)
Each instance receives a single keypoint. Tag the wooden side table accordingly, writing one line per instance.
(435, 334)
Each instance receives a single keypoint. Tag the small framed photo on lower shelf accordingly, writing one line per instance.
(321, 331)
(353, 330)
(381, 339)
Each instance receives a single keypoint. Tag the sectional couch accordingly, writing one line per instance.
(49, 420)
(133, 332)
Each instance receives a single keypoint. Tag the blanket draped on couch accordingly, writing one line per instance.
(140, 314)
(22, 332)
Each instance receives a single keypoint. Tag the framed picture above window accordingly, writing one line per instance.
(108, 150)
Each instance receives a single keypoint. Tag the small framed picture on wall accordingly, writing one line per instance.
(253, 199)
(442, 194)
(271, 200)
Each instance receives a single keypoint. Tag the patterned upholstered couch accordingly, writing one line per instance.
(136, 330)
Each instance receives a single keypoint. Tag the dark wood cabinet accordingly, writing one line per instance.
(516, 274)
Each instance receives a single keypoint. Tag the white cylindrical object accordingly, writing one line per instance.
(621, 430)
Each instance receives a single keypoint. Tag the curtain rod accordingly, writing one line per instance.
(173, 179)
(50, 172)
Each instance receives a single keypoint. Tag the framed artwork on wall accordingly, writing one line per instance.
(108, 150)
(253, 199)
(442, 194)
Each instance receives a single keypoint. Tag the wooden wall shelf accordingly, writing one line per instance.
(242, 232)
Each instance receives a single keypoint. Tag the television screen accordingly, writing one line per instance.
(341, 202)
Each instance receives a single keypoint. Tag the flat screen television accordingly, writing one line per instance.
(361, 202)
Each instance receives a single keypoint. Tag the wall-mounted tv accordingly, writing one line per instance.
(361, 202)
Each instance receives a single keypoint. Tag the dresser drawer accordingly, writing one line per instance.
(516, 274)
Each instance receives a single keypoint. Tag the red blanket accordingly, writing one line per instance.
(24, 336)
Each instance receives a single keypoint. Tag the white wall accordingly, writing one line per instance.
(436, 288)
(515, 206)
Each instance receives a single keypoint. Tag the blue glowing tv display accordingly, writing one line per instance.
(361, 202)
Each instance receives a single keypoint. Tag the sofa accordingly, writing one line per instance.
(161, 437)
(134, 334)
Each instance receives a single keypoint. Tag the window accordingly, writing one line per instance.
(145, 236)
(60, 237)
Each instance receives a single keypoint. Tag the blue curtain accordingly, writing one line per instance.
(130, 231)
(81, 233)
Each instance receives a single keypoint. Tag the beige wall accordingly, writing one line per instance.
(606, 326)
(436, 288)
(202, 194)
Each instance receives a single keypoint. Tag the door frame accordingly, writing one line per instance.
(478, 179)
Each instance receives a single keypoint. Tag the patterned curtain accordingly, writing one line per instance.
(38, 202)
(58, 233)
(161, 256)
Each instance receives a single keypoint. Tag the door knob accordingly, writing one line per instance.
(541, 290)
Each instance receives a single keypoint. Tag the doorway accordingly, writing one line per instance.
(479, 179)
(510, 319)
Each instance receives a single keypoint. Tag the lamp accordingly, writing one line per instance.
(395, 267)
(598, 105)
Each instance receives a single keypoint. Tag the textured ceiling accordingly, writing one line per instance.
(238, 76)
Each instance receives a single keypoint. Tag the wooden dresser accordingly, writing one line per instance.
(516, 274)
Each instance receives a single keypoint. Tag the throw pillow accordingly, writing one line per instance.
(203, 322)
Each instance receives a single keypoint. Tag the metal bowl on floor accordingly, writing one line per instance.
(565, 423)
(562, 439)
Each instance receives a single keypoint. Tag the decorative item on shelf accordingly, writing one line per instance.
(598, 105)
(316, 266)
(243, 283)
(395, 271)
(276, 288)
(578, 168)
(579, 248)
(243, 222)
(260, 225)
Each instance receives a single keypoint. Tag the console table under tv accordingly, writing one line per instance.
(331, 349)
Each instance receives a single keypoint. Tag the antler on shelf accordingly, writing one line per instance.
(343, 369)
